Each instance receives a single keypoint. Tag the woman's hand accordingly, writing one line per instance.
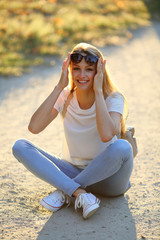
(64, 79)
(46, 113)
(107, 123)
(98, 79)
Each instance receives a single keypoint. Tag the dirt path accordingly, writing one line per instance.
(136, 68)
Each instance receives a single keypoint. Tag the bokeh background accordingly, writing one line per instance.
(31, 31)
(41, 33)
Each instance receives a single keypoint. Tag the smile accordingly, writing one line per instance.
(82, 81)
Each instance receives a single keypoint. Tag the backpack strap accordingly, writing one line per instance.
(129, 136)
(67, 104)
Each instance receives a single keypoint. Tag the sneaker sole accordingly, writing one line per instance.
(49, 207)
(90, 211)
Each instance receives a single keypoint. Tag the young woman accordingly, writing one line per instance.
(93, 112)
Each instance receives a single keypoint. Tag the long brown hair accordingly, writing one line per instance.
(108, 85)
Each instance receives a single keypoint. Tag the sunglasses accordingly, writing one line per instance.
(89, 58)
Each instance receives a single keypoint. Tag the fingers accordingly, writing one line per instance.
(66, 63)
(68, 60)
(63, 66)
(101, 66)
(104, 65)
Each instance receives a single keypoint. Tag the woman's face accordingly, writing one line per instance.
(83, 74)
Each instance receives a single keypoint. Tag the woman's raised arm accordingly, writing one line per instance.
(108, 124)
(45, 114)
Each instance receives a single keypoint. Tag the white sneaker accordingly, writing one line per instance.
(55, 201)
(89, 202)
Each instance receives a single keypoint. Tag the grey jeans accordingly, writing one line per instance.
(107, 174)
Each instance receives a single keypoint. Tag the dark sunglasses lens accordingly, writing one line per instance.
(76, 57)
(91, 59)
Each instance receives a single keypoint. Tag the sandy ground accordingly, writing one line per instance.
(135, 66)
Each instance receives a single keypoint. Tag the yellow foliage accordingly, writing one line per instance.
(59, 21)
(120, 4)
(60, 31)
(52, 1)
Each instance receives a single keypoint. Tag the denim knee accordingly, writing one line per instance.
(124, 147)
(18, 146)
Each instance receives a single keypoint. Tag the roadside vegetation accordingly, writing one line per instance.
(32, 30)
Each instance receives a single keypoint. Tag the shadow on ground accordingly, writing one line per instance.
(112, 221)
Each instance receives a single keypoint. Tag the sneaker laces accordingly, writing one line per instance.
(61, 196)
(83, 199)
(68, 200)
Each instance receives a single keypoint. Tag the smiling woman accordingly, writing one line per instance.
(94, 160)
(83, 70)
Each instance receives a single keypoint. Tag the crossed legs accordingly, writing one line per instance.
(107, 174)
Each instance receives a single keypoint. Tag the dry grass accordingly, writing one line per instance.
(32, 29)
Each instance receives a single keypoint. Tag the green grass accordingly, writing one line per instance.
(32, 29)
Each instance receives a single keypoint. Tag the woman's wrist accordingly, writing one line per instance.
(99, 97)
(59, 87)
(98, 92)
